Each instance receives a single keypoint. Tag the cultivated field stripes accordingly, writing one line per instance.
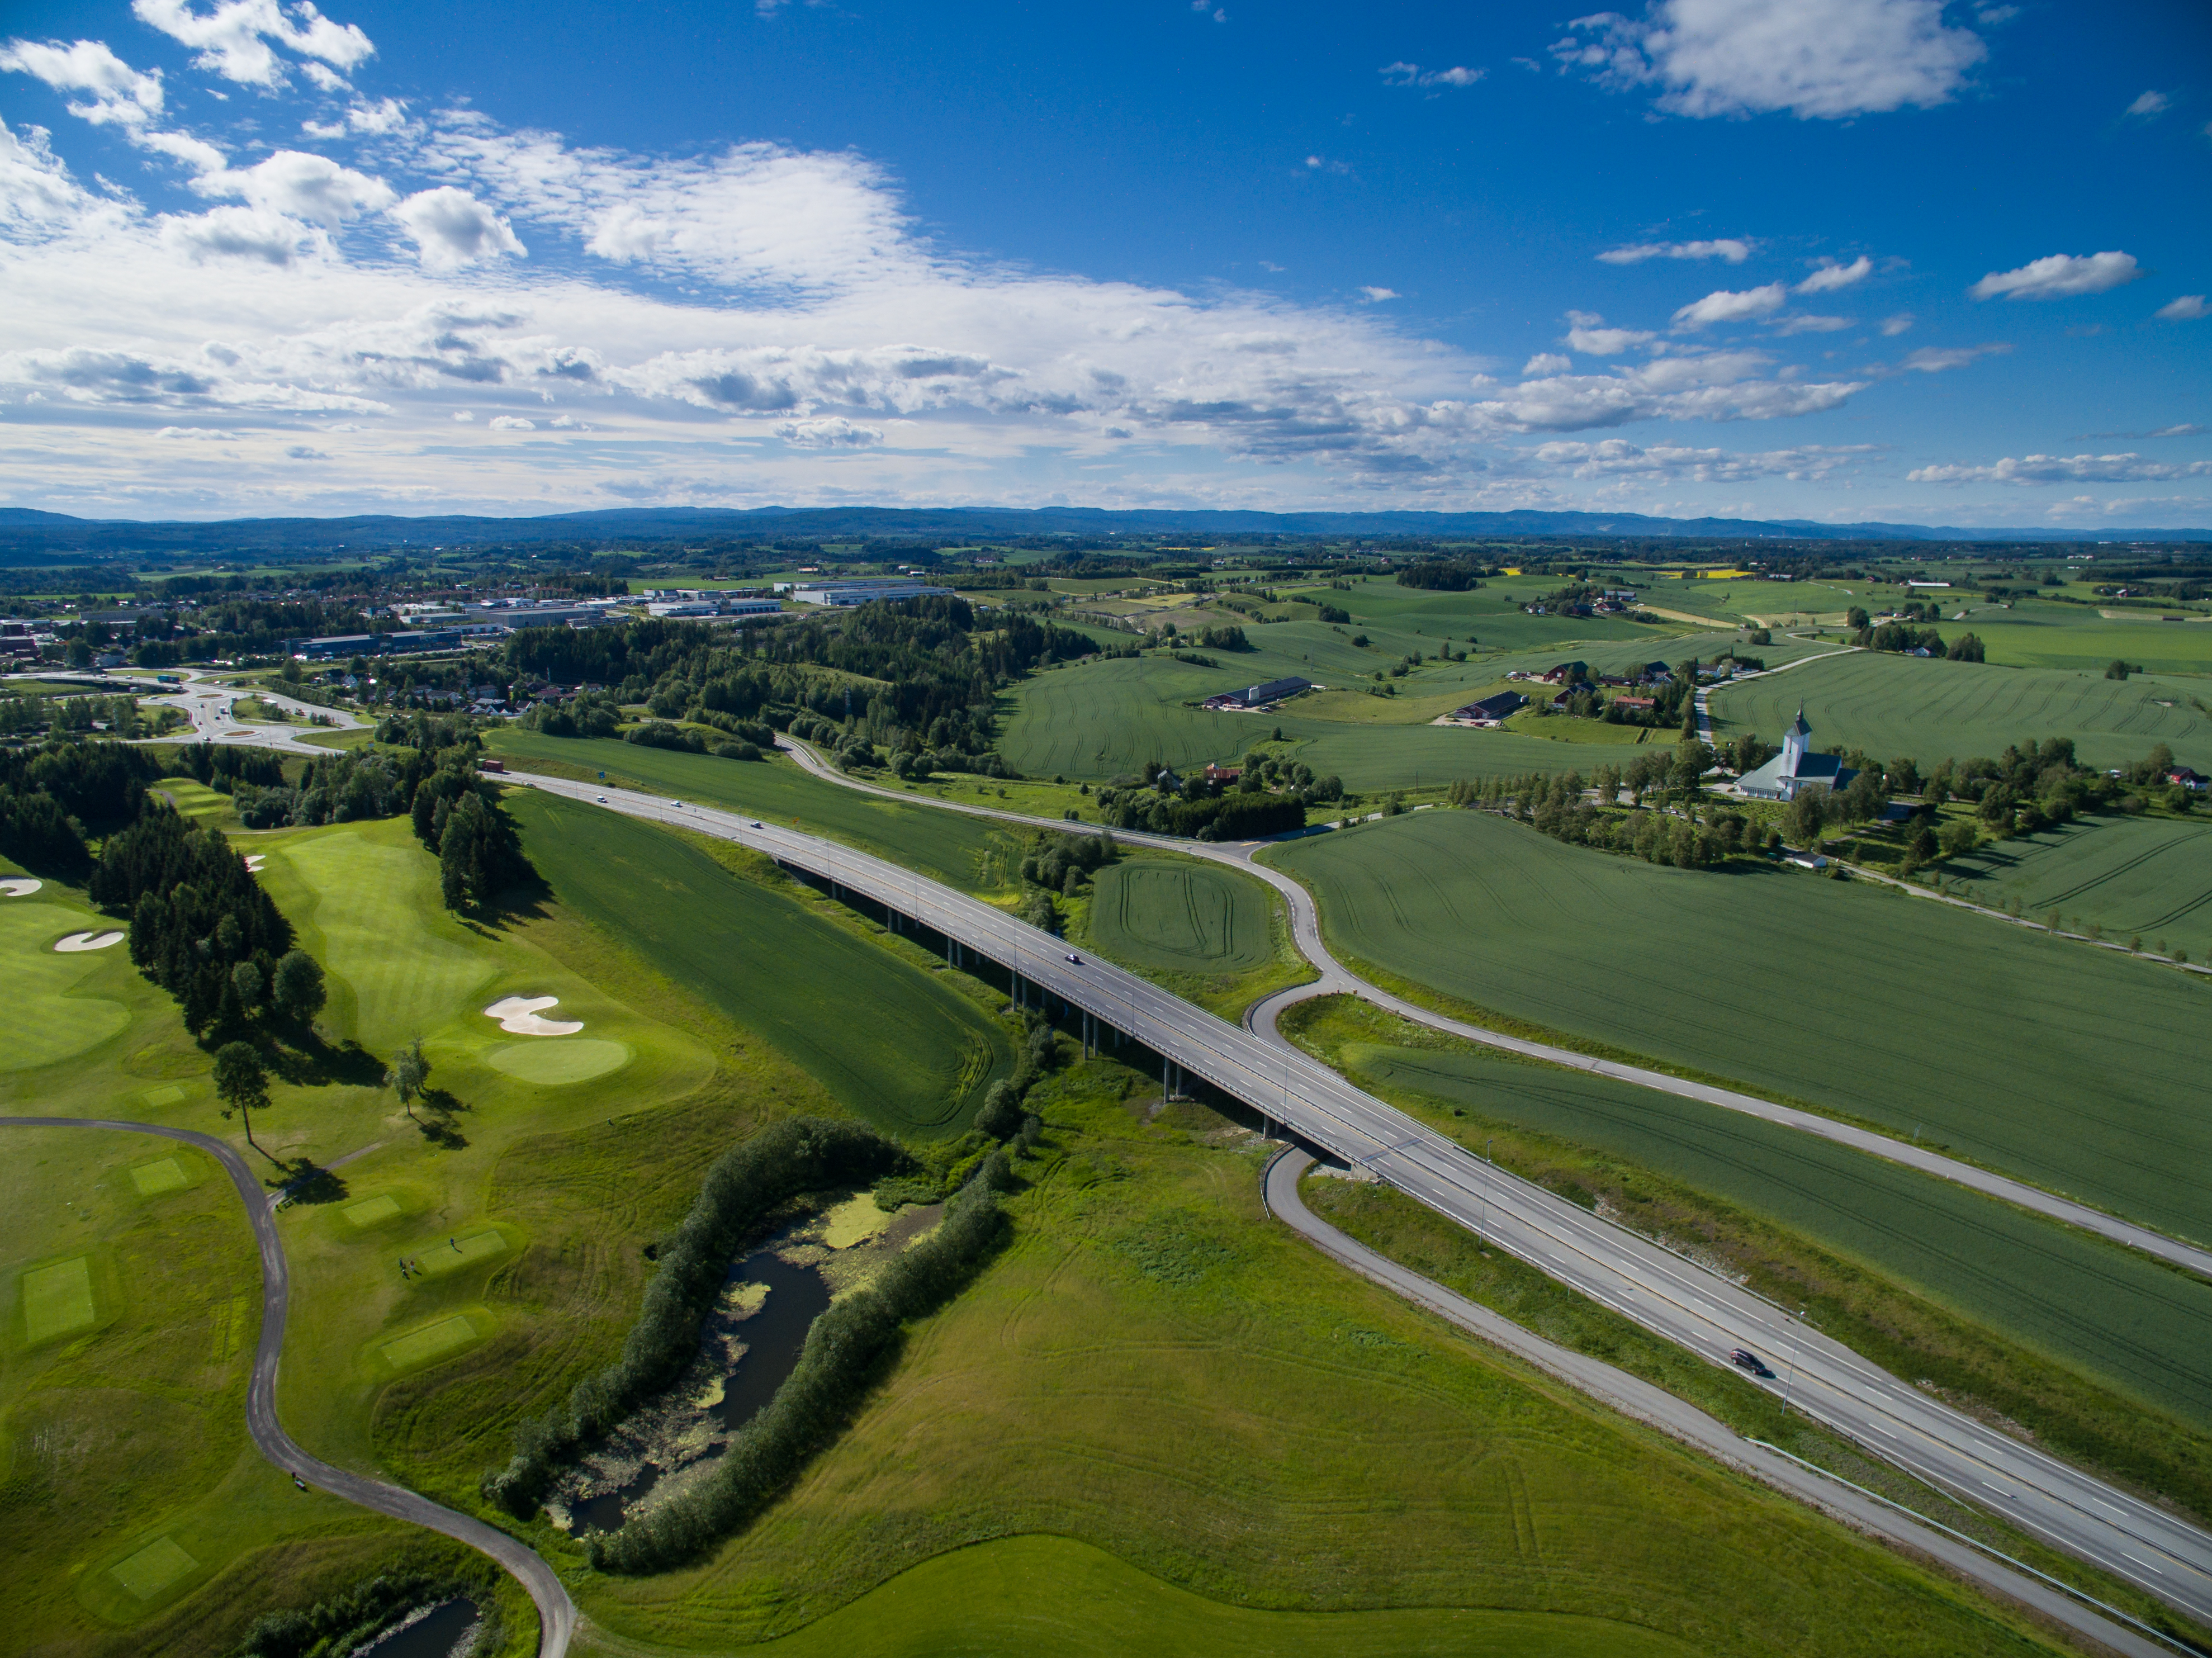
(2138, 1328)
(1929, 710)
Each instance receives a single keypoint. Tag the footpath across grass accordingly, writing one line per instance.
(2064, 1067)
(1153, 1371)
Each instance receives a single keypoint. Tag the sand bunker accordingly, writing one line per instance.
(254, 862)
(20, 886)
(519, 1015)
(77, 941)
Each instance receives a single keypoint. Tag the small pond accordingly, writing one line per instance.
(437, 1633)
(773, 1337)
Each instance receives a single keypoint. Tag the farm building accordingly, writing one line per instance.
(1567, 673)
(1796, 768)
(1492, 709)
(1255, 696)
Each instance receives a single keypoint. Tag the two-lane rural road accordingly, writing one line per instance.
(1676, 1298)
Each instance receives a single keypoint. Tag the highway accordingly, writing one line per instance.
(1336, 979)
(557, 1613)
(1676, 1298)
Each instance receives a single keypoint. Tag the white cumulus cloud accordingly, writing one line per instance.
(452, 228)
(1376, 296)
(1818, 59)
(1412, 74)
(2188, 308)
(1812, 324)
(116, 94)
(834, 433)
(2062, 275)
(511, 423)
(300, 185)
(1832, 276)
(2065, 469)
(1546, 362)
(244, 233)
(1723, 305)
(1590, 336)
(1938, 360)
(1733, 249)
(2149, 103)
(231, 37)
(1900, 323)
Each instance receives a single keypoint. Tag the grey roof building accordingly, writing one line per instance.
(1796, 768)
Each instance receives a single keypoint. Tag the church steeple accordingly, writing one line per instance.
(1796, 743)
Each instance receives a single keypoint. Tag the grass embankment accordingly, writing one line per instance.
(2095, 1349)
(2128, 877)
(136, 1515)
(1214, 937)
(2055, 1064)
(889, 1042)
(1152, 1370)
(1415, 1236)
(1928, 710)
(960, 851)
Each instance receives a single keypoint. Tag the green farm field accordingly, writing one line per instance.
(962, 852)
(889, 1042)
(1104, 719)
(1150, 1371)
(2149, 877)
(1182, 917)
(2034, 634)
(1928, 710)
(2056, 1063)
(2137, 1330)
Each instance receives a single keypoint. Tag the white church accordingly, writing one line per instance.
(1796, 768)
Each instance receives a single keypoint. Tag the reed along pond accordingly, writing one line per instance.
(748, 1347)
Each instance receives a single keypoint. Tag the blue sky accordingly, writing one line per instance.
(1837, 259)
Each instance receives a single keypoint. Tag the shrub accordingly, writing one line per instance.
(803, 1154)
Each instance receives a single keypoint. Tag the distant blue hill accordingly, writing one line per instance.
(28, 535)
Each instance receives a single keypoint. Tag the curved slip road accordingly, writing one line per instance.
(1336, 979)
(1674, 1298)
(557, 1613)
(1634, 1397)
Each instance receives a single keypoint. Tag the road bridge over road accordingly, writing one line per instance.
(1664, 1292)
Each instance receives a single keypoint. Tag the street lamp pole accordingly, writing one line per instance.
(1790, 1383)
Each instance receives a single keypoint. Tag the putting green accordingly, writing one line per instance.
(44, 1022)
(162, 1174)
(57, 1299)
(433, 1341)
(370, 1210)
(154, 1568)
(441, 1255)
(385, 933)
(552, 1062)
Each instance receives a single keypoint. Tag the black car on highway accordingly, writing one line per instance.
(1744, 1359)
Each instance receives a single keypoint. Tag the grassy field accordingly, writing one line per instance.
(2134, 1328)
(889, 1042)
(2081, 638)
(962, 852)
(1103, 719)
(1152, 1371)
(2147, 877)
(135, 1514)
(56, 1005)
(1892, 705)
(1022, 1595)
(1183, 917)
(2061, 1065)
